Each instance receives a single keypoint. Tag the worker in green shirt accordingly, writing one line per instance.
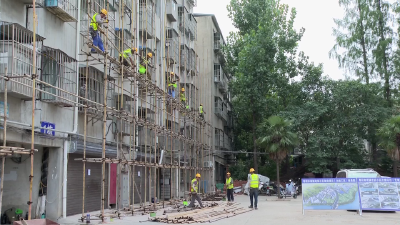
(183, 97)
(127, 54)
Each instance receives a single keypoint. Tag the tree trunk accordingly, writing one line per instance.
(277, 179)
(374, 152)
(362, 40)
(255, 143)
(383, 54)
(395, 163)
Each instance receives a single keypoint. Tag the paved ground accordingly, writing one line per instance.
(281, 212)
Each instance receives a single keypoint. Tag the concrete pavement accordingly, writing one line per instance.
(284, 212)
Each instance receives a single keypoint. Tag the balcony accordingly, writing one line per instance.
(172, 46)
(192, 27)
(172, 11)
(227, 142)
(146, 136)
(127, 5)
(59, 71)
(38, 2)
(66, 10)
(223, 86)
(146, 19)
(184, 56)
(183, 19)
(16, 54)
(95, 90)
(217, 42)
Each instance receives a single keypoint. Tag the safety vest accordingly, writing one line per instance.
(172, 84)
(254, 181)
(127, 53)
(229, 183)
(201, 109)
(196, 185)
(94, 23)
(183, 98)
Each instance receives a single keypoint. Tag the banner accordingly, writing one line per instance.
(379, 194)
(330, 194)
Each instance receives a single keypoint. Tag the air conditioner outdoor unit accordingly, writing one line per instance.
(208, 164)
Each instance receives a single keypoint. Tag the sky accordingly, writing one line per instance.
(316, 16)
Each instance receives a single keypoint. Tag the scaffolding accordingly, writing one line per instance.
(162, 136)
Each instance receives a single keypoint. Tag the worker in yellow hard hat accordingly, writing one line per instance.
(144, 62)
(171, 82)
(97, 20)
(254, 184)
(183, 97)
(229, 187)
(194, 190)
(127, 54)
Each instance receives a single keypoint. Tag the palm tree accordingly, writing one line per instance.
(278, 140)
(389, 133)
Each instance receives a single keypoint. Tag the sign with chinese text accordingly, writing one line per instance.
(47, 125)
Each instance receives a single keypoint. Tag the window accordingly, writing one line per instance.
(217, 72)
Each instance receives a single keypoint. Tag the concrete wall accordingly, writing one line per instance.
(16, 182)
(54, 184)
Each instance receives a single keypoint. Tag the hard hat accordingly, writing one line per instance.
(198, 175)
(149, 55)
(134, 49)
(228, 173)
(172, 73)
(183, 89)
(201, 104)
(252, 170)
(104, 12)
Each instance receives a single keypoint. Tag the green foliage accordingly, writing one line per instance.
(278, 138)
(390, 136)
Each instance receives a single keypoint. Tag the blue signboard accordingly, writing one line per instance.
(330, 194)
(47, 125)
(379, 194)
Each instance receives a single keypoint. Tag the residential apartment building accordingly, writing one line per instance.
(94, 118)
(217, 99)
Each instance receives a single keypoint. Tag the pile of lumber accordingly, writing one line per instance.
(219, 212)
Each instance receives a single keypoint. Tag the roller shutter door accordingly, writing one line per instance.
(93, 186)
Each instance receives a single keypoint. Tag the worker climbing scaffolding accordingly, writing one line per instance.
(127, 54)
(171, 84)
(201, 111)
(144, 63)
(97, 21)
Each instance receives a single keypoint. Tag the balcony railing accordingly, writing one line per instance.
(66, 10)
(184, 56)
(16, 54)
(58, 70)
(172, 46)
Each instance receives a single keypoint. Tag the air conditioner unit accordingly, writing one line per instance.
(208, 164)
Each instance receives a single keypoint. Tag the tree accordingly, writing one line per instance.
(278, 140)
(262, 57)
(390, 139)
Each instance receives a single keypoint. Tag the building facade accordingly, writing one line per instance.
(88, 108)
(217, 100)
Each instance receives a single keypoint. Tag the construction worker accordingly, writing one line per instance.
(229, 187)
(127, 54)
(144, 62)
(183, 97)
(254, 184)
(201, 111)
(171, 85)
(97, 20)
(194, 191)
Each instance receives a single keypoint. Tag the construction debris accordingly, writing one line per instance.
(214, 197)
(212, 214)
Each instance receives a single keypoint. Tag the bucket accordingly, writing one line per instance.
(152, 214)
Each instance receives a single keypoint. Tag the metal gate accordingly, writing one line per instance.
(93, 186)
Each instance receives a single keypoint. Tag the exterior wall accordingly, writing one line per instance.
(62, 35)
(208, 57)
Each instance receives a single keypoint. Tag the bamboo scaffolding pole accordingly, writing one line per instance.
(34, 75)
(105, 82)
(4, 139)
(85, 130)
